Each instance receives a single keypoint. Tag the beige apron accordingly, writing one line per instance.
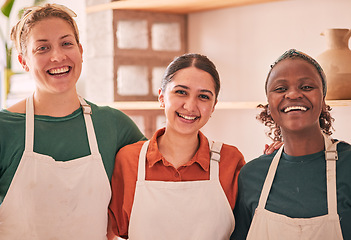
(273, 226)
(50, 199)
(192, 210)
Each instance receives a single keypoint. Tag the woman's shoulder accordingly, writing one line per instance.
(230, 148)
(344, 152)
(132, 147)
(19, 107)
(231, 152)
(258, 165)
(102, 110)
(106, 114)
(13, 115)
(344, 146)
(128, 152)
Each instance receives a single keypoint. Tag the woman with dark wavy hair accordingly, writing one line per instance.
(303, 190)
(179, 184)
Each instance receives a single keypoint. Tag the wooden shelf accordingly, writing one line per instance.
(339, 103)
(154, 105)
(173, 6)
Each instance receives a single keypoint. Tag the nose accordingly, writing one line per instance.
(57, 54)
(294, 94)
(190, 104)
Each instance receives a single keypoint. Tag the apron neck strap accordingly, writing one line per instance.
(269, 179)
(142, 161)
(94, 149)
(215, 149)
(29, 125)
(330, 156)
(29, 138)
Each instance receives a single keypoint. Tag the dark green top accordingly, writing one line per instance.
(299, 189)
(64, 138)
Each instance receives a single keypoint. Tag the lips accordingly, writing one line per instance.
(186, 117)
(59, 71)
(294, 108)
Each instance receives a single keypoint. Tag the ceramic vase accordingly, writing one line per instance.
(336, 63)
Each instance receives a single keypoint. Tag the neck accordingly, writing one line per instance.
(55, 105)
(297, 144)
(178, 149)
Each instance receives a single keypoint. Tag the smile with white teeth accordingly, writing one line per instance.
(187, 117)
(295, 108)
(61, 70)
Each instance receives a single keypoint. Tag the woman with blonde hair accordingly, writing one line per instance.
(57, 150)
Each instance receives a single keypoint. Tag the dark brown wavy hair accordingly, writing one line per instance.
(196, 60)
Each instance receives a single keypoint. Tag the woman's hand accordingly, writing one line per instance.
(269, 149)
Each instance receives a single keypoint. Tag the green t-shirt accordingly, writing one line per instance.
(64, 138)
(299, 189)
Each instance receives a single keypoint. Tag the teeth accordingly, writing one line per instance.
(187, 117)
(59, 70)
(292, 108)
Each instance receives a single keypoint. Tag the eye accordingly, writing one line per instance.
(41, 48)
(180, 92)
(67, 44)
(280, 89)
(204, 96)
(307, 88)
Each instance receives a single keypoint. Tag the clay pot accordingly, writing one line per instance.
(336, 63)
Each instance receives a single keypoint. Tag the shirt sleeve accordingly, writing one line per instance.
(123, 185)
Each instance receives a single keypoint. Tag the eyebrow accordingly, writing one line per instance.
(63, 37)
(202, 90)
(283, 80)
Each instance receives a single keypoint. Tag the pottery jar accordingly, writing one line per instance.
(336, 63)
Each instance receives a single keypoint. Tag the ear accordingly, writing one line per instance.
(161, 98)
(324, 104)
(23, 62)
(214, 105)
(81, 51)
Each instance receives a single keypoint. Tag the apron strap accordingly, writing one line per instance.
(88, 123)
(269, 179)
(215, 150)
(142, 161)
(331, 155)
(94, 149)
(29, 124)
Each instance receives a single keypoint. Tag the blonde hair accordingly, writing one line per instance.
(32, 15)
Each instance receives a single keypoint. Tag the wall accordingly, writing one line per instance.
(244, 41)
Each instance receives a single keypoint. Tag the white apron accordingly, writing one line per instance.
(192, 210)
(55, 200)
(269, 225)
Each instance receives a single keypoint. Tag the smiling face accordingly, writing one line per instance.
(189, 100)
(53, 57)
(295, 95)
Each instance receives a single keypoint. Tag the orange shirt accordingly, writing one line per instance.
(125, 173)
